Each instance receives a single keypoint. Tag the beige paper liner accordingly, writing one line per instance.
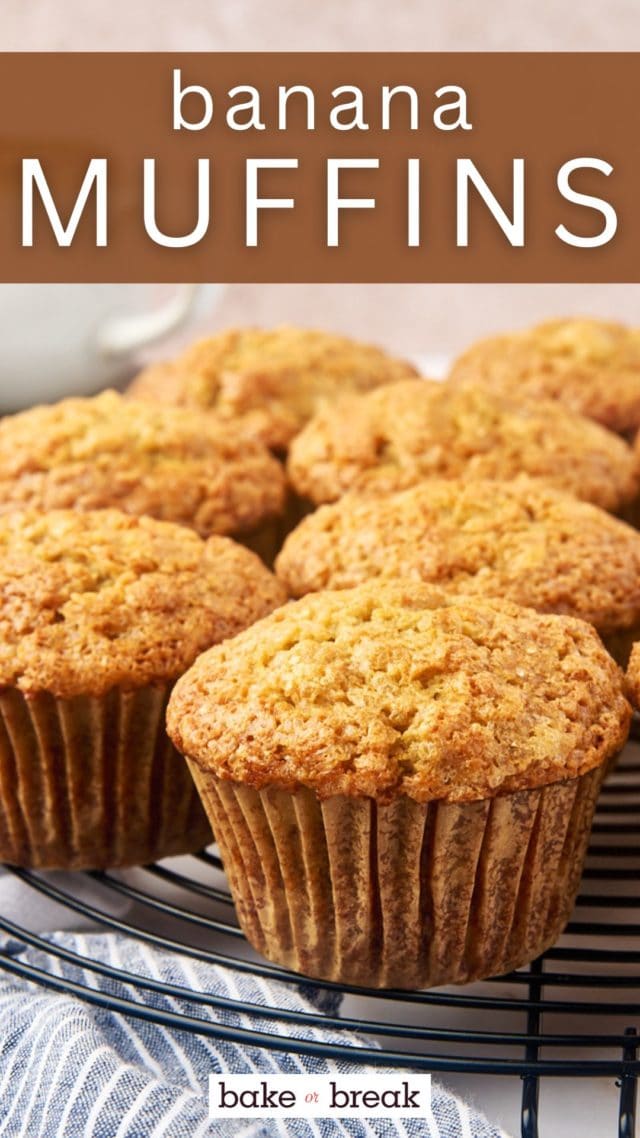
(93, 781)
(404, 894)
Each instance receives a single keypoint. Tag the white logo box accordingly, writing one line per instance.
(366, 1095)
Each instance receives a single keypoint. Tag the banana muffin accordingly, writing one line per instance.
(402, 787)
(521, 540)
(633, 680)
(397, 436)
(174, 464)
(269, 381)
(590, 366)
(100, 613)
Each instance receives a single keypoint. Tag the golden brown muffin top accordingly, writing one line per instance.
(272, 380)
(388, 690)
(91, 601)
(590, 366)
(399, 435)
(633, 676)
(175, 464)
(520, 540)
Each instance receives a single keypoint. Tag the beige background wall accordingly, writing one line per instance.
(330, 25)
(429, 319)
(435, 319)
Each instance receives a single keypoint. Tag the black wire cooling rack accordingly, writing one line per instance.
(573, 1012)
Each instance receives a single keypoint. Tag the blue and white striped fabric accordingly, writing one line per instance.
(72, 1070)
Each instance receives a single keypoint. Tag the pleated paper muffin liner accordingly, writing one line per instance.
(404, 894)
(93, 781)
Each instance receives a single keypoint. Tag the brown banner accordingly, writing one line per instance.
(560, 129)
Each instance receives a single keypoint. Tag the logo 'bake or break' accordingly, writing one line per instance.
(319, 1096)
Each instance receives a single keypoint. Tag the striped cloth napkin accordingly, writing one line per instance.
(69, 1069)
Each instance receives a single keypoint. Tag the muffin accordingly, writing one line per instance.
(521, 540)
(402, 788)
(269, 381)
(590, 366)
(99, 614)
(396, 436)
(633, 676)
(175, 464)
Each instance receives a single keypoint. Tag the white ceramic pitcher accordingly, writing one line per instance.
(74, 339)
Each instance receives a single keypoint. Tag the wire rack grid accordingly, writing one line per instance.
(575, 1011)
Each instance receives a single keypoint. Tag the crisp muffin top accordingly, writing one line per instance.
(175, 464)
(520, 540)
(271, 381)
(590, 366)
(93, 600)
(398, 435)
(387, 690)
(633, 676)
